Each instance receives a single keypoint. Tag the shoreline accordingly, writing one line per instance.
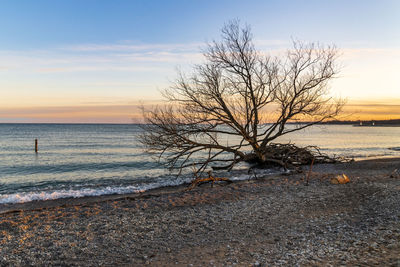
(50, 203)
(265, 222)
(71, 201)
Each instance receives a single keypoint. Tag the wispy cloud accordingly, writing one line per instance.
(134, 47)
(98, 69)
(369, 53)
(96, 58)
(90, 112)
(123, 112)
(110, 57)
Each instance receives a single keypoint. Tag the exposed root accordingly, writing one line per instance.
(291, 156)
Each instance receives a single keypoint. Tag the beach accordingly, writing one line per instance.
(195, 133)
(270, 221)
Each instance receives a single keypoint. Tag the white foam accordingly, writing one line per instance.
(109, 190)
(83, 192)
(47, 195)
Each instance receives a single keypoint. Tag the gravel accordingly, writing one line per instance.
(272, 221)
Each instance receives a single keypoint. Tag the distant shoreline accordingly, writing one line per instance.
(377, 123)
(367, 123)
(391, 125)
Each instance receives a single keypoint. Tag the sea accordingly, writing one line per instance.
(77, 160)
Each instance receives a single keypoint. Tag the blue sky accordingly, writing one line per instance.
(93, 61)
(43, 24)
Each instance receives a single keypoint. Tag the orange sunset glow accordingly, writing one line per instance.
(108, 83)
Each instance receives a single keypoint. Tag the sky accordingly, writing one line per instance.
(99, 61)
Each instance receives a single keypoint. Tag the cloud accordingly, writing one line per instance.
(120, 111)
(102, 112)
(108, 57)
(85, 73)
(355, 55)
(142, 57)
(131, 47)
(98, 69)
(100, 58)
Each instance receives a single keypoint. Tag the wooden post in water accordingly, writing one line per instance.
(36, 146)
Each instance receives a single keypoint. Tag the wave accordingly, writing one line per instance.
(77, 193)
(22, 197)
(32, 196)
(72, 167)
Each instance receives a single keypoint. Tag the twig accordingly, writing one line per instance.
(309, 172)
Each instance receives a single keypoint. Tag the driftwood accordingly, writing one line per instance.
(210, 179)
(340, 179)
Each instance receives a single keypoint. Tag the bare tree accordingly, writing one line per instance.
(238, 101)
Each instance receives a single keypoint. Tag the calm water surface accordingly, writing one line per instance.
(77, 160)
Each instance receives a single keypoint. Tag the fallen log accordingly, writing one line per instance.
(210, 179)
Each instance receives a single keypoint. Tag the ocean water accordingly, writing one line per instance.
(76, 160)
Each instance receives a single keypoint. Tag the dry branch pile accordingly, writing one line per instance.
(291, 156)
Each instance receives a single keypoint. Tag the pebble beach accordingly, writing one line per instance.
(276, 220)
